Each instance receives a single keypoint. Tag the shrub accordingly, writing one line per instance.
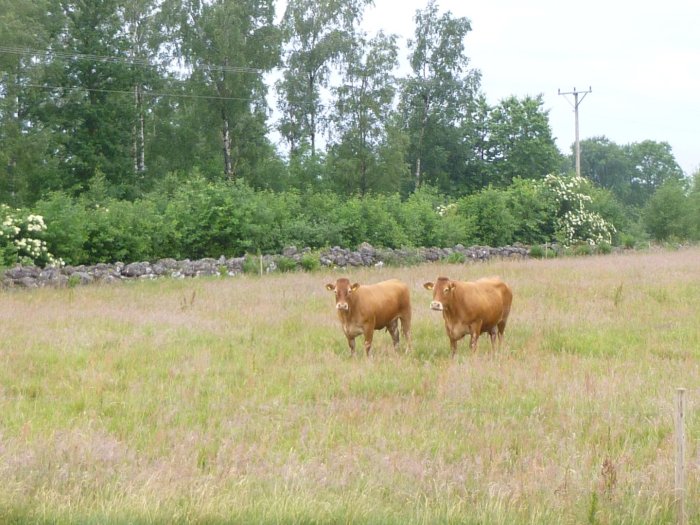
(21, 239)
(369, 219)
(122, 231)
(666, 213)
(536, 251)
(420, 217)
(251, 264)
(285, 264)
(533, 211)
(604, 248)
(310, 262)
(582, 249)
(494, 224)
(456, 258)
(575, 221)
(68, 231)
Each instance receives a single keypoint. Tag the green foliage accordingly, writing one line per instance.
(456, 258)
(121, 231)
(494, 223)
(581, 249)
(536, 251)
(436, 97)
(521, 141)
(667, 213)
(694, 208)
(370, 219)
(420, 219)
(192, 217)
(251, 264)
(604, 248)
(633, 172)
(68, 230)
(533, 210)
(310, 262)
(285, 264)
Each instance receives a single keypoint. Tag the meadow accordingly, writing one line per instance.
(235, 400)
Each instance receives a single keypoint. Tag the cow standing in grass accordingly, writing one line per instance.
(362, 309)
(472, 307)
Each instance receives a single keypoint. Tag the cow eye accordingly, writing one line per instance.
(447, 290)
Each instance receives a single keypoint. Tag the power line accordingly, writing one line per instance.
(145, 93)
(23, 51)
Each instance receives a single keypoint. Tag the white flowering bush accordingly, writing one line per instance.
(443, 209)
(20, 239)
(575, 223)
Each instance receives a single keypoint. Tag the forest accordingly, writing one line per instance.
(141, 129)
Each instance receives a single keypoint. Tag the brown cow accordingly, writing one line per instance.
(472, 307)
(362, 309)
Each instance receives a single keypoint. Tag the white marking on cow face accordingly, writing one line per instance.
(441, 293)
(342, 290)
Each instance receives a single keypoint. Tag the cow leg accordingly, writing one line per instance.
(369, 333)
(351, 344)
(492, 334)
(393, 329)
(473, 341)
(406, 329)
(474, 332)
(501, 329)
(453, 346)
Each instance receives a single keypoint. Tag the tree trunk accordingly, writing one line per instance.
(142, 134)
(424, 124)
(226, 136)
(139, 142)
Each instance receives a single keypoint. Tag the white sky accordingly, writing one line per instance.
(642, 60)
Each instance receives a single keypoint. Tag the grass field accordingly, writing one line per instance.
(236, 401)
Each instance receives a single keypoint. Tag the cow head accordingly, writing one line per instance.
(343, 292)
(443, 290)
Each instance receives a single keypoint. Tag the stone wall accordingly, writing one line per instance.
(365, 255)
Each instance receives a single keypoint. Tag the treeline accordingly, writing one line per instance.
(137, 90)
(135, 107)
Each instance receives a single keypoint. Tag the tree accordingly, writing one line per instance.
(667, 211)
(608, 165)
(26, 163)
(694, 207)
(654, 165)
(363, 101)
(86, 106)
(521, 143)
(227, 45)
(438, 99)
(318, 33)
(141, 26)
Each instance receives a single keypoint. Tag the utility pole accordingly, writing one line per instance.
(575, 105)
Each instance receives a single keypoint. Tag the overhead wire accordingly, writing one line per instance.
(140, 61)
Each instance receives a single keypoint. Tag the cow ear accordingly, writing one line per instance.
(355, 286)
(330, 287)
(428, 286)
(451, 286)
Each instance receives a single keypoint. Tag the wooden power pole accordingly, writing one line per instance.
(575, 105)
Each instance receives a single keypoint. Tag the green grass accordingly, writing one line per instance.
(235, 400)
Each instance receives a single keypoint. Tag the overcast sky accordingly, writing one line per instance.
(641, 59)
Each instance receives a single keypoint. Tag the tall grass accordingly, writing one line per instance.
(236, 401)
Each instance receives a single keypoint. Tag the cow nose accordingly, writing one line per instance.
(341, 306)
(436, 305)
